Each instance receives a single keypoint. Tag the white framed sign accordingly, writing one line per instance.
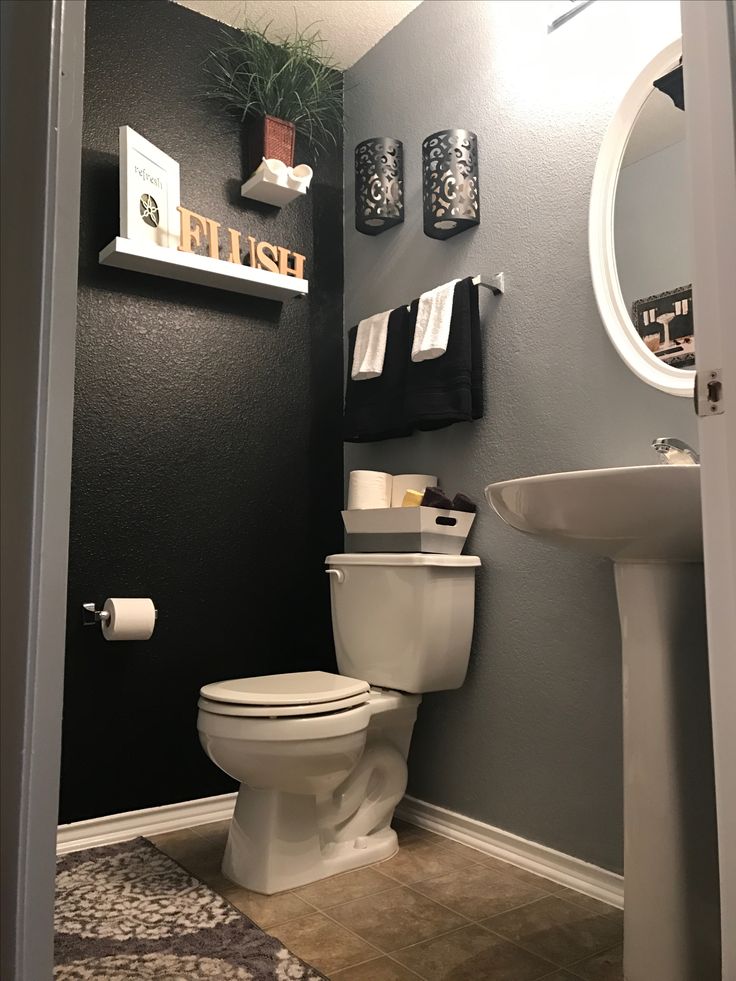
(149, 192)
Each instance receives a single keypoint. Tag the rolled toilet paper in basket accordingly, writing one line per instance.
(403, 482)
(368, 489)
(130, 619)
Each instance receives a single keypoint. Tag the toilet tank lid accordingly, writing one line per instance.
(297, 688)
(403, 558)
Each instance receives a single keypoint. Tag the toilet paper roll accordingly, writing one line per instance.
(368, 489)
(130, 619)
(403, 482)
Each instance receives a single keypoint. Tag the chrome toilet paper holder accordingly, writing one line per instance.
(91, 615)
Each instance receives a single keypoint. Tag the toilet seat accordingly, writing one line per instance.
(300, 693)
(280, 711)
(301, 730)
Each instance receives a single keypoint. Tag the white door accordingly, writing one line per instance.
(709, 57)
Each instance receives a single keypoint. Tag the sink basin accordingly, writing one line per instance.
(647, 519)
(626, 513)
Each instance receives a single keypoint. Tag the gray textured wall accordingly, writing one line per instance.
(532, 742)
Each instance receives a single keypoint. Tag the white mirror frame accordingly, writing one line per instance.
(616, 318)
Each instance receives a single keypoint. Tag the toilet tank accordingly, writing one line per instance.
(403, 621)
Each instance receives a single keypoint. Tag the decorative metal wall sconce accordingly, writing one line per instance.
(450, 182)
(379, 184)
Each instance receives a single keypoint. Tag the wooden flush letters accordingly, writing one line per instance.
(261, 255)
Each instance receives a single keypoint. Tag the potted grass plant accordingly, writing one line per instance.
(278, 88)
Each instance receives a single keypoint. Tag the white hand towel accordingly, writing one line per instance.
(370, 347)
(432, 330)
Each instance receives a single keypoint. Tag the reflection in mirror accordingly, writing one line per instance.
(652, 235)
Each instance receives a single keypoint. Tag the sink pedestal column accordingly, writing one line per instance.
(671, 911)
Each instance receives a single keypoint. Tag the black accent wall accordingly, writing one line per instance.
(207, 464)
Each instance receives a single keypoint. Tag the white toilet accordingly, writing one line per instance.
(321, 758)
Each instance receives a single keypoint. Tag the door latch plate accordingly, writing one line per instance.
(709, 395)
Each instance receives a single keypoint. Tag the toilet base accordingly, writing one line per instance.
(340, 821)
(275, 843)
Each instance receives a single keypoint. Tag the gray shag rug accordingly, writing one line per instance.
(129, 911)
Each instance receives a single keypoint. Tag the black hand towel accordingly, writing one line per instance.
(449, 389)
(374, 409)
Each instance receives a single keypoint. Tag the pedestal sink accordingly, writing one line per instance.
(647, 519)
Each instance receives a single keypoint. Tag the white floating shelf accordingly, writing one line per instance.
(200, 269)
(258, 188)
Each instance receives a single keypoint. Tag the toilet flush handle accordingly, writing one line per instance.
(337, 573)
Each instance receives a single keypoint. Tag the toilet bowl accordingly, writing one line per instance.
(321, 757)
(304, 810)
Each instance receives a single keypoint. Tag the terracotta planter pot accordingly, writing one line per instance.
(267, 136)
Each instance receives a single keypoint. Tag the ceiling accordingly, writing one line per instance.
(659, 125)
(349, 27)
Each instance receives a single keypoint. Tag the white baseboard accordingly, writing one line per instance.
(565, 869)
(149, 821)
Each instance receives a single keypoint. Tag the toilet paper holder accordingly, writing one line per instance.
(91, 615)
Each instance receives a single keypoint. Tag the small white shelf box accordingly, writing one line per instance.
(258, 188)
(202, 270)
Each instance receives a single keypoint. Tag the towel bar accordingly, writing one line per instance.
(496, 284)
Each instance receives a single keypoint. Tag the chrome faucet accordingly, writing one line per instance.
(673, 450)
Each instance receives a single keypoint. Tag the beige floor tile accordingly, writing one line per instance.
(558, 930)
(266, 911)
(472, 854)
(216, 828)
(419, 859)
(200, 856)
(174, 839)
(380, 969)
(478, 892)
(470, 954)
(587, 902)
(322, 943)
(216, 833)
(220, 884)
(500, 866)
(344, 888)
(608, 966)
(405, 830)
(396, 918)
(211, 875)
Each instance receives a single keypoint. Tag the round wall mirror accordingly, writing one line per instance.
(639, 229)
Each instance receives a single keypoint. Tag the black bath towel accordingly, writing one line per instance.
(374, 409)
(449, 389)
(425, 395)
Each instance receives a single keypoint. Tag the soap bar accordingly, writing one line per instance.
(412, 499)
(461, 502)
(434, 498)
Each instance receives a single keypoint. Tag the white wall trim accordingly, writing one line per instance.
(149, 821)
(565, 869)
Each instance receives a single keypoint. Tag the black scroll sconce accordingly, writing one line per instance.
(451, 198)
(379, 184)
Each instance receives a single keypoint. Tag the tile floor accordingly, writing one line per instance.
(437, 910)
